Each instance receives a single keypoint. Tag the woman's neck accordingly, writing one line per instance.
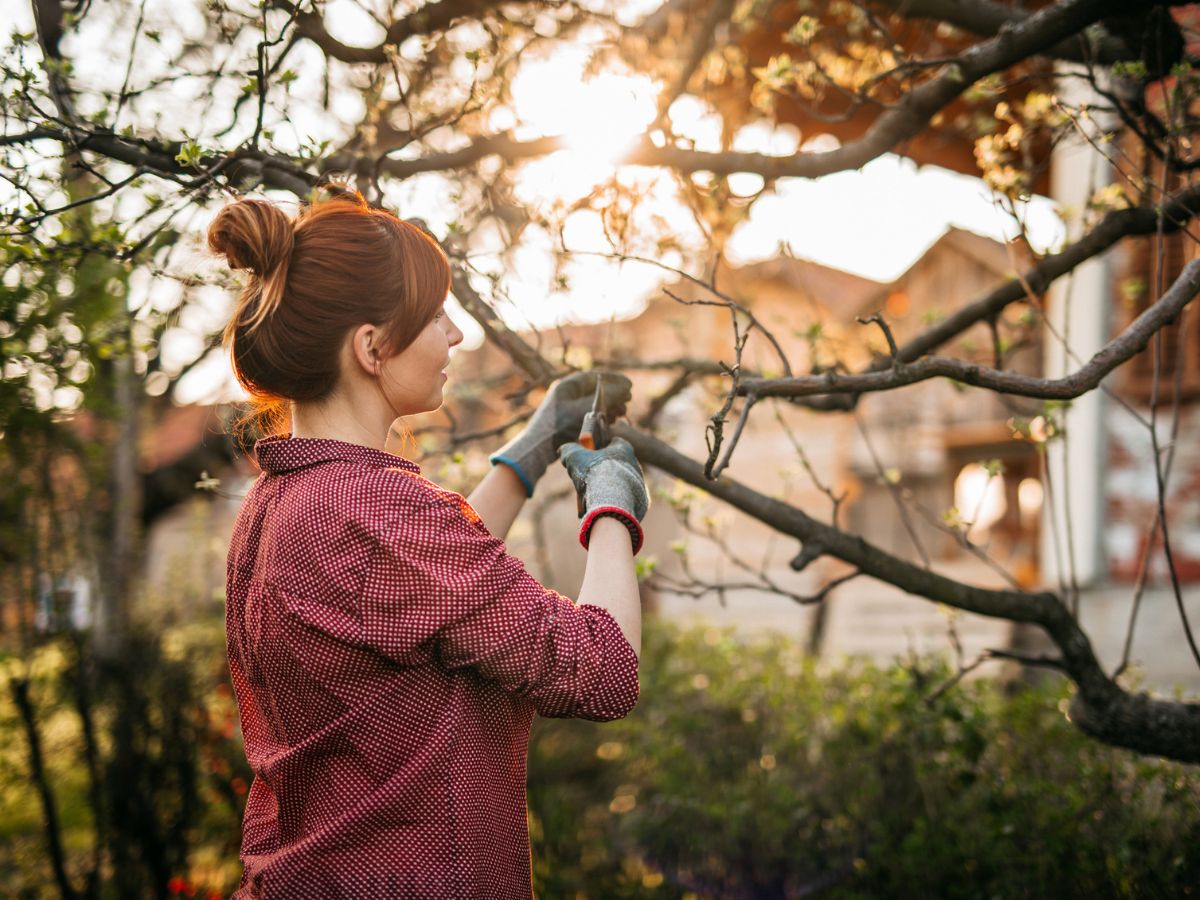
(341, 422)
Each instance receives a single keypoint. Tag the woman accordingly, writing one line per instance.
(387, 654)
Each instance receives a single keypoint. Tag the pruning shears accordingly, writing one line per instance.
(593, 435)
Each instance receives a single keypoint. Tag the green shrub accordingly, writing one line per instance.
(745, 771)
(166, 769)
(748, 771)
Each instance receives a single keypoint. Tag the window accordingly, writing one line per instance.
(997, 487)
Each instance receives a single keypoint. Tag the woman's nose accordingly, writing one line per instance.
(455, 336)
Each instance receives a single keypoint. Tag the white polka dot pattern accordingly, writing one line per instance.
(388, 657)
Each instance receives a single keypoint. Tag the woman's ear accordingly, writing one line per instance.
(364, 349)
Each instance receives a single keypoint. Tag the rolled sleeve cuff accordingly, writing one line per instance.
(605, 685)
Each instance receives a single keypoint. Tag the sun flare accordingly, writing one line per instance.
(599, 117)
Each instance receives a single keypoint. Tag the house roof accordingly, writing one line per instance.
(988, 252)
(834, 288)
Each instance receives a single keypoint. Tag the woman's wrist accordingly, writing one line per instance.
(509, 463)
(611, 532)
(617, 515)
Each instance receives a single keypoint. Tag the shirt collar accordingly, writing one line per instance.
(283, 453)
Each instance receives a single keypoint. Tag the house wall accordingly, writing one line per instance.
(1158, 647)
(186, 547)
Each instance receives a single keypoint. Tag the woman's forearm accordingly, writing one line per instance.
(498, 499)
(609, 580)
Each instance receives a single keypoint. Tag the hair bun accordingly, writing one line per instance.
(254, 235)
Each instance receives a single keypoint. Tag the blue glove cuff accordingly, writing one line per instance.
(498, 458)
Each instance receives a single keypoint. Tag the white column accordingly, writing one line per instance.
(1077, 310)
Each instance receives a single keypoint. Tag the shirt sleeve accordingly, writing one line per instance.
(441, 576)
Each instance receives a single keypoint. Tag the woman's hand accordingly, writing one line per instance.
(611, 484)
(557, 420)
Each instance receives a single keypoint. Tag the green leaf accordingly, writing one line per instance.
(803, 31)
(189, 154)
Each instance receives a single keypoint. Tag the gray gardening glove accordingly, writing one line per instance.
(611, 484)
(557, 420)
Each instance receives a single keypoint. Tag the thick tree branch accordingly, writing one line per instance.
(26, 137)
(159, 158)
(911, 115)
(900, 123)
(896, 125)
(503, 145)
(1128, 343)
(500, 334)
(428, 19)
(986, 18)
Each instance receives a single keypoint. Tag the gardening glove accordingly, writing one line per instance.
(611, 483)
(557, 420)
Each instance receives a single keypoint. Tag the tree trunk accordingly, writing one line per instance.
(121, 523)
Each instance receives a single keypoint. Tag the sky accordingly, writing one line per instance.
(874, 222)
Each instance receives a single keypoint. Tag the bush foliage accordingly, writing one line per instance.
(748, 771)
(745, 771)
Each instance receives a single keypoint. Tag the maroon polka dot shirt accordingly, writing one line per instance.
(388, 658)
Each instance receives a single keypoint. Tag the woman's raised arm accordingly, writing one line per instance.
(498, 499)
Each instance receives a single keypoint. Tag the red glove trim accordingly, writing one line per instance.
(635, 528)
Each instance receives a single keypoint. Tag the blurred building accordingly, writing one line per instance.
(927, 441)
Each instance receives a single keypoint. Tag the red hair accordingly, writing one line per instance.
(337, 264)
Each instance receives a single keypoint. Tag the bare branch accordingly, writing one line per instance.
(1115, 226)
(497, 332)
(1129, 343)
(720, 467)
(883, 326)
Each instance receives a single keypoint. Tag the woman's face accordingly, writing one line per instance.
(412, 379)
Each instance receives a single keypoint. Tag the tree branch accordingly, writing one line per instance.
(503, 145)
(1177, 211)
(986, 18)
(1128, 343)
(905, 120)
(500, 334)
(898, 124)
(428, 19)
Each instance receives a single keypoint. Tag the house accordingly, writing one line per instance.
(925, 436)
